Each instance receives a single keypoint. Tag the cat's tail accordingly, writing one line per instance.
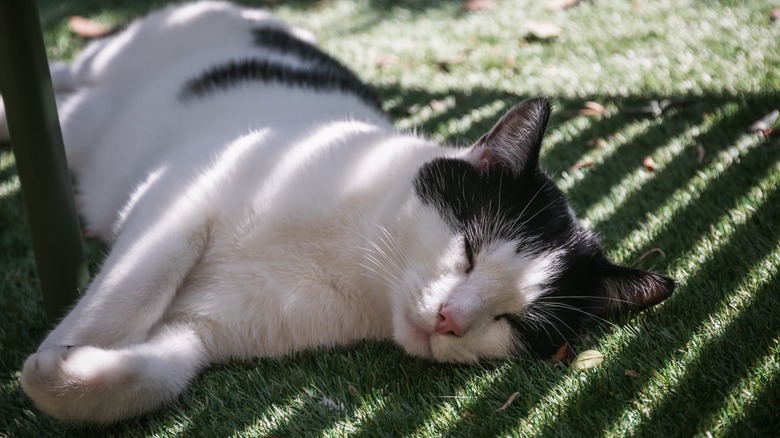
(94, 385)
(64, 83)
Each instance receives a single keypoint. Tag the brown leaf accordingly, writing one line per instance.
(774, 14)
(438, 105)
(87, 28)
(765, 122)
(649, 164)
(632, 373)
(564, 355)
(478, 5)
(770, 132)
(353, 390)
(385, 60)
(543, 30)
(700, 153)
(592, 109)
(588, 162)
(596, 142)
(509, 401)
(652, 251)
(468, 415)
(557, 5)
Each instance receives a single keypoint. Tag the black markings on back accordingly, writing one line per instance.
(321, 73)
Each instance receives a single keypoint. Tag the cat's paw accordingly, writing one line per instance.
(78, 382)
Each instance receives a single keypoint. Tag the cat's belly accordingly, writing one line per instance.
(283, 292)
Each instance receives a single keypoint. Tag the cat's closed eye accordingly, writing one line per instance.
(469, 250)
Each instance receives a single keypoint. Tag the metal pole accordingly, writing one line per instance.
(36, 139)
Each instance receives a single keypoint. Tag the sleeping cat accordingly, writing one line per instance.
(258, 203)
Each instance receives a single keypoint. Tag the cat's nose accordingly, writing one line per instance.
(447, 324)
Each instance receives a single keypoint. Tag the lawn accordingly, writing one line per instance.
(688, 192)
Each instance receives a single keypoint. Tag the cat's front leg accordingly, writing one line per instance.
(134, 288)
(91, 384)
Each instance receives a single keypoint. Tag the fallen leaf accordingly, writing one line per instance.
(564, 355)
(592, 109)
(587, 359)
(332, 404)
(588, 162)
(445, 63)
(770, 132)
(596, 142)
(632, 373)
(353, 390)
(656, 107)
(649, 164)
(479, 5)
(765, 122)
(700, 153)
(774, 14)
(509, 401)
(652, 251)
(543, 30)
(468, 415)
(87, 28)
(385, 60)
(438, 105)
(557, 5)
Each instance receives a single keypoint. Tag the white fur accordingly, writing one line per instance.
(260, 221)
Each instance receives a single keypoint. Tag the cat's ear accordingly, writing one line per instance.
(514, 142)
(627, 289)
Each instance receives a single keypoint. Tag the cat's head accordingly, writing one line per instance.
(498, 264)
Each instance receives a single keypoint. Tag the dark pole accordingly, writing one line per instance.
(25, 85)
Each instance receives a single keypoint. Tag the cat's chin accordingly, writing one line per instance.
(414, 339)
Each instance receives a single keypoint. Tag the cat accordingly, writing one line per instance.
(258, 202)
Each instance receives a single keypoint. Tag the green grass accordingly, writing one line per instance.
(707, 361)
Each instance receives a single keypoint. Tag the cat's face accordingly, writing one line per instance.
(497, 264)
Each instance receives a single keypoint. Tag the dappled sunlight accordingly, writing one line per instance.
(602, 210)
(687, 194)
(713, 330)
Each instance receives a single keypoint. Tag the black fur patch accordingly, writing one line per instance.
(497, 205)
(324, 74)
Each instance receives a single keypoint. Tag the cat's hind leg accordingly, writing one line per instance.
(90, 384)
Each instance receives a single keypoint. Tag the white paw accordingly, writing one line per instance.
(75, 382)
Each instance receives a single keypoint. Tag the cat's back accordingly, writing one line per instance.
(190, 86)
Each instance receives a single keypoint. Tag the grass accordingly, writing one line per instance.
(706, 362)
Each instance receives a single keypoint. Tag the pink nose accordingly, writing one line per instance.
(446, 323)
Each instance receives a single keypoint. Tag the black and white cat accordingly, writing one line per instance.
(259, 203)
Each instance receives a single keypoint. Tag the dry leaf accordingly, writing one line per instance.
(700, 153)
(588, 162)
(332, 404)
(353, 390)
(87, 28)
(770, 132)
(652, 251)
(632, 373)
(438, 105)
(592, 109)
(385, 60)
(543, 30)
(596, 142)
(557, 5)
(774, 14)
(478, 5)
(765, 122)
(649, 164)
(564, 355)
(587, 359)
(509, 401)
(468, 415)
